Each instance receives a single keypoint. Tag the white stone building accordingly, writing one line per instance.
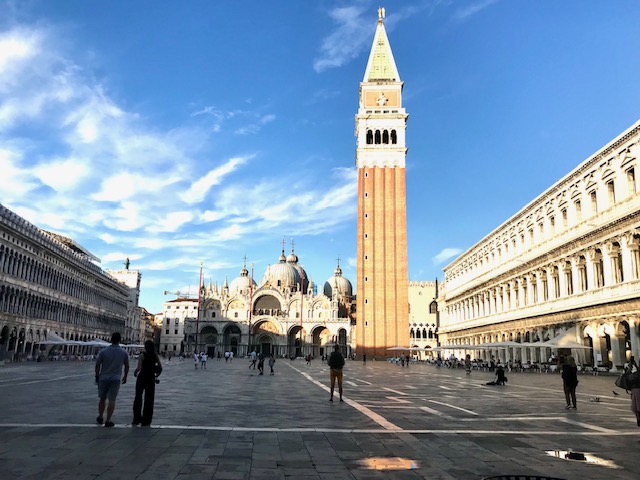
(133, 332)
(564, 269)
(282, 314)
(423, 317)
(51, 285)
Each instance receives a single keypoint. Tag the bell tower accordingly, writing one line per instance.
(382, 301)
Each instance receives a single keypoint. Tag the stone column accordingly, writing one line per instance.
(575, 275)
(562, 278)
(629, 251)
(550, 284)
(530, 287)
(607, 252)
(634, 335)
(512, 296)
(617, 351)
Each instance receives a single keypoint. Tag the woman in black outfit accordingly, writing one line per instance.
(570, 380)
(148, 369)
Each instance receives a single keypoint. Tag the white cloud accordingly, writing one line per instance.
(255, 127)
(61, 175)
(171, 222)
(445, 254)
(199, 188)
(351, 37)
(467, 11)
(119, 256)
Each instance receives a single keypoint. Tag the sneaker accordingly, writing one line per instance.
(108, 424)
(331, 399)
(568, 407)
(99, 420)
(574, 407)
(341, 400)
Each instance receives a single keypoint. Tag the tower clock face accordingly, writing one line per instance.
(381, 99)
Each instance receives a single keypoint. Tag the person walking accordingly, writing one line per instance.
(147, 372)
(196, 359)
(272, 361)
(570, 381)
(336, 363)
(633, 373)
(203, 360)
(109, 365)
(254, 359)
(261, 363)
(467, 364)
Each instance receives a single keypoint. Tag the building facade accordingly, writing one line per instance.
(382, 272)
(49, 283)
(282, 314)
(134, 330)
(566, 266)
(423, 318)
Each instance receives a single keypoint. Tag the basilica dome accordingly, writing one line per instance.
(282, 275)
(243, 282)
(341, 284)
(292, 260)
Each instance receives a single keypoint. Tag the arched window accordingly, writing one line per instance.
(424, 333)
(369, 137)
(385, 137)
(377, 137)
(418, 333)
(411, 333)
(433, 307)
(394, 137)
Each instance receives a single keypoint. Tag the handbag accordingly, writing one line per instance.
(622, 381)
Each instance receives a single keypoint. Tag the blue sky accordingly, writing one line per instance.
(179, 132)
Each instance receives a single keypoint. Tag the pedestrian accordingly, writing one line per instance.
(203, 360)
(402, 358)
(226, 357)
(467, 364)
(272, 361)
(336, 363)
(147, 372)
(109, 377)
(261, 363)
(364, 358)
(634, 386)
(231, 356)
(196, 359)
(570, 381)
(254, 358)
(219, 355)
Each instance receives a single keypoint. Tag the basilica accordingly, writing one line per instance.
(283, 314)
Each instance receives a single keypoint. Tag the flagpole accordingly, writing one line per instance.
(250, 309)
(301, 308)
(200, 288)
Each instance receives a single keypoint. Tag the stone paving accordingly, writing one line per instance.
(227, 422)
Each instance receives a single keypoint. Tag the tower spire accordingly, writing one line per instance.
(381, 66)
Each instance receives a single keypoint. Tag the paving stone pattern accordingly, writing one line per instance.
(228, 422)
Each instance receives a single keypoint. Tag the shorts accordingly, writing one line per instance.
(108, 389)
(335, 374)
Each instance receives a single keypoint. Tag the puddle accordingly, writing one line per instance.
(388, 463)
(581, 457)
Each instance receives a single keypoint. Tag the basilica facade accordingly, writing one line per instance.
(283, 314)
(563, 272)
